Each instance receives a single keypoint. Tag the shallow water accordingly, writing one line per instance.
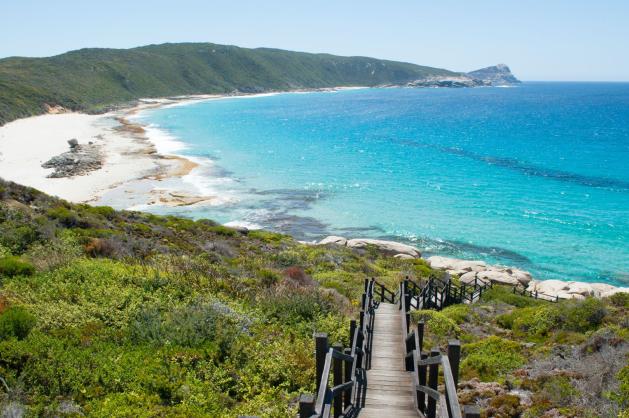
(535, 176)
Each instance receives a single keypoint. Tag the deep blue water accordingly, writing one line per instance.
(535, 176)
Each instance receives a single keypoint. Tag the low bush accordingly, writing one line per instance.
(437, 323)
(14, 266)
(620, 299)
(16, 322)
(505, 294)
(65, 216)
(491, 358)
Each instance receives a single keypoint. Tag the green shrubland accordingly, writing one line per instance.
(97, 79)
(109, 313)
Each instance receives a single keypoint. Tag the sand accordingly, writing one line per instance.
(129, 154)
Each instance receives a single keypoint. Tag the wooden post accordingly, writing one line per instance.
(363, 302)
(352, 331)
(348, 377)
(421, 402)
(366, 284)
(433, 383)
(306, 405)
(361, 320)
(321, 350)
(420, 335)
(454, 355)
(471, 411)
(337, 379)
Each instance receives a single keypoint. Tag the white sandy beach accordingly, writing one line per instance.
(132, 153)
(129, 154)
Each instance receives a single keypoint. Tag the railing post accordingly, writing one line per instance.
(422, 381)
(366, 285)
(433, 378)
(363, 302)
(471, 411)
(361, 319)
(352, 331)
(337, 379)
(321, 349)
(348, 377)
(306, 405)
(454, 355)
(420, 335)
(382, 293)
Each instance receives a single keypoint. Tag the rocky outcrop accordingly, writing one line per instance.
(496, 75)
(80, 160)
(476, 271)
(469, 271)
(448, 81)
(574, 290)
(389, 247)
(333, 239)
(393, 248)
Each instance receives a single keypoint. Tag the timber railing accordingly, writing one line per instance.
(535, 295)
(345, 395)
(424, 368)
(438, 293)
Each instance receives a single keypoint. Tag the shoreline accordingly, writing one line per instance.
(142, 167)
(476, 271)
(131, 151)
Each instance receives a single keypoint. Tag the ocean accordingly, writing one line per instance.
(534, 176)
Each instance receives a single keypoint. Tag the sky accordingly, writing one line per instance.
(539, 39)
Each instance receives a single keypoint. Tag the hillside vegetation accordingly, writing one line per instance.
(113, 313)
(95, 79)
(128, 314)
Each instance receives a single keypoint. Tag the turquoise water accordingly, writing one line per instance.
(535, 176)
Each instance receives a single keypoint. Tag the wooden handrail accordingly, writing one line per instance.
(345, 395)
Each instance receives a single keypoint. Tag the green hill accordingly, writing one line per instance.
(95, 79)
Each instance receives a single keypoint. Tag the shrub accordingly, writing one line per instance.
(458, 313)
(491, 358)
(194, 325)
(295, 305)
(437, 323)
(17, 238)
(104, 211)
(505, 294)
(266, 236)
(16, 322)
(99, 247)
(14, 266)
(582, 316)
(65, 216)
(622, 395)
(620, 299)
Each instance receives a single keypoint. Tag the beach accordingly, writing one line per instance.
(128, 153)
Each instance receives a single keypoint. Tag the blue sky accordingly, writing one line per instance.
(540, 40)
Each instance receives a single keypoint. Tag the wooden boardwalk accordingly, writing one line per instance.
(389, 386)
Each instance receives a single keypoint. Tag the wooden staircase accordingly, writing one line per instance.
(389, 385)
(386, 372)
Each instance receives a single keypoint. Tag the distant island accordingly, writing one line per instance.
(97, 80)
